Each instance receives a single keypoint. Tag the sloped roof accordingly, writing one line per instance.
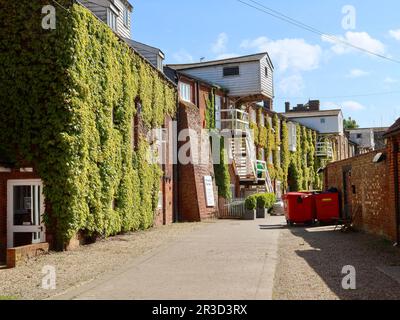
(395, 128)
(143, 46)
(243, 59)
(310, 114)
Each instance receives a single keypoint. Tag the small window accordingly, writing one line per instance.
(185, 91)
(323, 120)
(231, 71)
(266, 72)
(126, 17)
(359, 136)
(112, 20)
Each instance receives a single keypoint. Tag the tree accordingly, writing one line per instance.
(350, 124)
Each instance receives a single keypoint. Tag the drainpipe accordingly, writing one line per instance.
(175, 165)
(396, 188)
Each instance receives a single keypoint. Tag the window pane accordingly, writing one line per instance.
(22, 205)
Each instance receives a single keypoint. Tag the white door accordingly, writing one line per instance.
(25, 208)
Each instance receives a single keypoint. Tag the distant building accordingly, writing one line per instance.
(368, 139)
(333, 143)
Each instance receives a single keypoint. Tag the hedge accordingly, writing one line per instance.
(68, 99)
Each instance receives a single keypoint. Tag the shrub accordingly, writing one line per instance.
(261, 201)
(265, 200)
(251, 202)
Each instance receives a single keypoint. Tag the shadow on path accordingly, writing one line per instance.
(328, 251)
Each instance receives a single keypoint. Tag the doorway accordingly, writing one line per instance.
(25, 209)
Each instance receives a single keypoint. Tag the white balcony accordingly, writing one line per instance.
(324, 150)
(233, 119)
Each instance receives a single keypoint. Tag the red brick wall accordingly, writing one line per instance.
(192, 198)
(368, 192)
(15, 174)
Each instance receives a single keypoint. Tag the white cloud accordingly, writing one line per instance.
(395, 34)
(390, 80)
(292, 85)
(330, 105)
(359, 39)
(182, 56)
(357, 73)
(352, 106)
(219, 46)
(288, 54)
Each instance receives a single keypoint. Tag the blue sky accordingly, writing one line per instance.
(306, 66)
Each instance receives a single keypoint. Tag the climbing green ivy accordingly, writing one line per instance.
(210, 111)
(222, 177)
(68, 100)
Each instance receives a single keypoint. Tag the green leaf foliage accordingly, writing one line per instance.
(68, 100)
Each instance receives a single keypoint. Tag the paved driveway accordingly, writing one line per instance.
(224, 260)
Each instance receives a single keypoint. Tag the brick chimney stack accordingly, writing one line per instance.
(314, 105)
(287, 107)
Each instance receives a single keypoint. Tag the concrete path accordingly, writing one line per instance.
(223, 260)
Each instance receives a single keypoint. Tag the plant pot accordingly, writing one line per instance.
(261, 213)
(249, 215)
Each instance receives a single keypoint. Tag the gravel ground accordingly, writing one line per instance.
(311, 261)
(75, 268)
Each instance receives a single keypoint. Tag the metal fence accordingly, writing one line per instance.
(234, 209)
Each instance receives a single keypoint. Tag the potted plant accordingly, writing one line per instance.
(262, 205)
(250, 205)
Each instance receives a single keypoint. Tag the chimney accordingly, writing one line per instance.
(287, 107)
(314, 105)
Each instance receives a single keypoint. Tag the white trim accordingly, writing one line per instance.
(11, 229)
(4, 169)
(26, 170)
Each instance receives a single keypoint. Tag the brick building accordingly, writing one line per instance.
(195, 199)
(369, 187)
(22, 203)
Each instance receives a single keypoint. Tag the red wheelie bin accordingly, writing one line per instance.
(327, 207)
(299, 208)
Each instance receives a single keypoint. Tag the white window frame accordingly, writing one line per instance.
(185, 91)
(38, 229)
(126, 17)
(112, 19)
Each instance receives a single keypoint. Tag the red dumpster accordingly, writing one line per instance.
(299, 208)
(327, 207)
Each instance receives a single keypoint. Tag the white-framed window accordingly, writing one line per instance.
(185, 91)
(323, 120)
(126, 17)
(160, 200)
(292, 137)
(112, 19)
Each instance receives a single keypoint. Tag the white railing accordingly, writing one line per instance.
(233, 119)
(324, 149)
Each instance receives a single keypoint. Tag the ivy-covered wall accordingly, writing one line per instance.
(297, 168)
(68, 100)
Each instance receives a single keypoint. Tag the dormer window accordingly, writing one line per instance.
(112, 19)
(231, 71)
